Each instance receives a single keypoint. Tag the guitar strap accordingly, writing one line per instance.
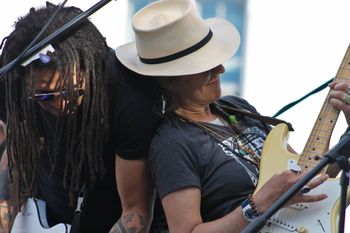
(265, 119)
(75, 227)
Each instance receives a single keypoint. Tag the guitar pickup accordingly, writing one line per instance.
(299, 206)
(282, 224)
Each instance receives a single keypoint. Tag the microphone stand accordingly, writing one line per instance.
(339, 153)
(52, 36)
(344, 164)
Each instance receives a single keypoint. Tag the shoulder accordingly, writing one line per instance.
(176, 139)
(128, 90)
(173, 130)
(132, 118)
(174, 157)
(130, 87)
(236, 101)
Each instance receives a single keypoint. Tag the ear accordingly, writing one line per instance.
(49, 4)
(168, 83)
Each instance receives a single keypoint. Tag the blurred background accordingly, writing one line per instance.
(289, 48)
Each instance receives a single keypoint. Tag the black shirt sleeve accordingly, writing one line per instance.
(173, 161)
(134, 121)
(2, 102)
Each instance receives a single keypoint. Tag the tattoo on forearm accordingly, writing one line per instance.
(6, 217)
(130, 223)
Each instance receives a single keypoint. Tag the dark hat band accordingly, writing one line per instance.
(179, 54)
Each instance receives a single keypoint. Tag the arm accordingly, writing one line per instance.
(136, 194)
(182, 207)
(4, 191)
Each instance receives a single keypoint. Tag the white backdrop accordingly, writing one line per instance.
(293, 46)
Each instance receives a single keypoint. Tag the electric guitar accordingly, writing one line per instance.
(305, 217)
(32, 219)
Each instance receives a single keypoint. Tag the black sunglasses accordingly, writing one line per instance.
(46, 96)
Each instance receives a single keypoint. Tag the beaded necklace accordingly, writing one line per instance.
(241, 142)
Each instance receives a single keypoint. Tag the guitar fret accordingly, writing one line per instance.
(341, 78)
(344, 68)
(322, 132)
(328, 124)
(319, 147)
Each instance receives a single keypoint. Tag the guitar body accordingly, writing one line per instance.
(32, 219)
(304, 217)
(275, 158)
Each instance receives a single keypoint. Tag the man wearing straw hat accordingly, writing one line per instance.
(205, 156)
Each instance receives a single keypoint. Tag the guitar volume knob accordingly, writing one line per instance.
(302, 230)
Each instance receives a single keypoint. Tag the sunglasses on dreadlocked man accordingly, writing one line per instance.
(49, 95)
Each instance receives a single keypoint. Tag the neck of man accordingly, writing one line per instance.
(196, 113)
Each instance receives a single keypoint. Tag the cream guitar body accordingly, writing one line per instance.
(312, 218)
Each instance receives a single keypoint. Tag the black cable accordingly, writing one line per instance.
(8, 68)
(55, 34)
(288, 106)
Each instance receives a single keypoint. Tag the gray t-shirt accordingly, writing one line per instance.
(183, 155)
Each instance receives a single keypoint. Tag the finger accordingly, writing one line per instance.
(312, 198)
(318, 180)
(340, 100)
(337, 94)
(305, 189)
(339, 85)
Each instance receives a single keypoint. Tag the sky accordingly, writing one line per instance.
(292, 47)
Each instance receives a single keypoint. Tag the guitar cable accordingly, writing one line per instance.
(288, 106)
(8, 67)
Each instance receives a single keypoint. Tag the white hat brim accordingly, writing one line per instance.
(220, 48)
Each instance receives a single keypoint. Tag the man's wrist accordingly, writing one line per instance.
(249, 209)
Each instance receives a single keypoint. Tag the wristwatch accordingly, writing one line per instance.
(247, 211)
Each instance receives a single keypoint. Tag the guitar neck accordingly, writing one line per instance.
(318, 142)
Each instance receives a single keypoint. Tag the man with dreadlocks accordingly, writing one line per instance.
(76, 117)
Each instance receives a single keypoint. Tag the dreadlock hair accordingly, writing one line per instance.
(80, 135)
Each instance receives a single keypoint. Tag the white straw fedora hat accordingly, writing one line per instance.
(171, 39)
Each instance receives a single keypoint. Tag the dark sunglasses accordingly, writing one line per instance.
(46, 96)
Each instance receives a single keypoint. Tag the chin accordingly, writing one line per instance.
(218, 93)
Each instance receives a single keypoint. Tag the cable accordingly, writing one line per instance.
(14, 62)
(55, 34)
(288, 106)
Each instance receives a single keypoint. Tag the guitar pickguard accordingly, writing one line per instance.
(32, 219)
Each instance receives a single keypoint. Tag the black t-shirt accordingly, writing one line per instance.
(132, 125)
(183, 155)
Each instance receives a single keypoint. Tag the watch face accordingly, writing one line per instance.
(249, 213)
